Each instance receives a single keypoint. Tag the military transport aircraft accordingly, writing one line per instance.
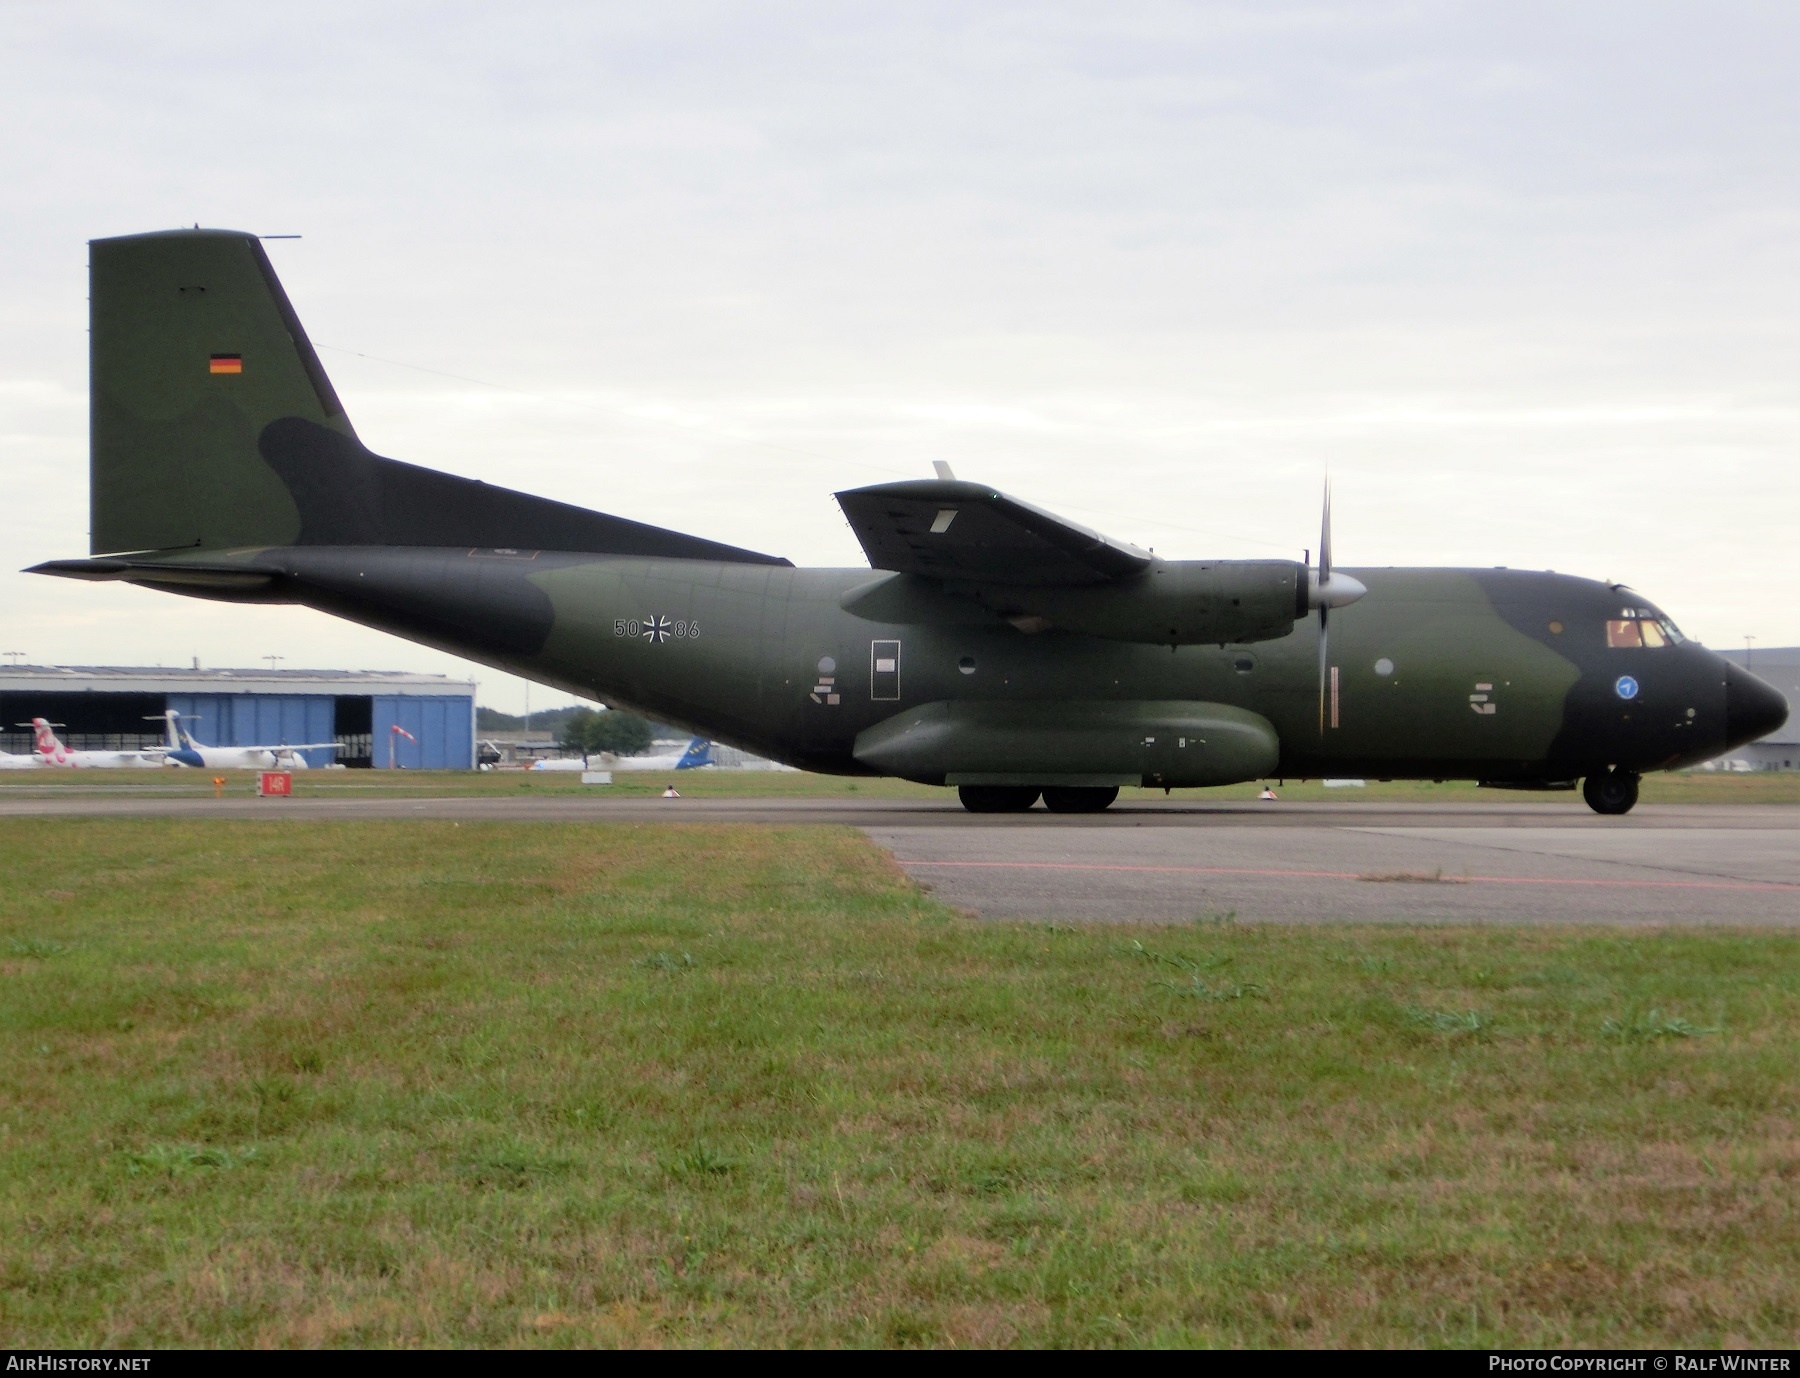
(992, 646)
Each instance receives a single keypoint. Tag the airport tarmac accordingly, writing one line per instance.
(1345, 870)
(1504, 862)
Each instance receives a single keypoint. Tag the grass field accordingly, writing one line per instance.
(1762, 787)
(558, 1084)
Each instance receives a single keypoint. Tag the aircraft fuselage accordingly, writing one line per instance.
(1502, 675)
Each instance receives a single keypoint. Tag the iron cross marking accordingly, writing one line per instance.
(658, 629)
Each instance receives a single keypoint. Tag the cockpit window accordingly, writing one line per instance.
(1642, 627)
(1624, 631)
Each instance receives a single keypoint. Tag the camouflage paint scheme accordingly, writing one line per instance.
(1033, 653)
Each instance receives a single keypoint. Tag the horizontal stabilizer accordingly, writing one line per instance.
(184, 577)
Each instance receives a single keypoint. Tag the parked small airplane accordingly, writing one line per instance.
(697, 753)
(50, 751)
(183, 750)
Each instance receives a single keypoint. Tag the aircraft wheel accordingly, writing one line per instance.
(997, 798)
(1079, 798)
(1612, 791)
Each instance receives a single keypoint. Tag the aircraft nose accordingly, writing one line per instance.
(1753, 707)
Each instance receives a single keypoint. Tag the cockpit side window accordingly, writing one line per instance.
(1642, 627)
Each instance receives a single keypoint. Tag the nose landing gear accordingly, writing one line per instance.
(1610, 791)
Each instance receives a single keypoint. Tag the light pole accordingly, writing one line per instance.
(1747, 641)
(272, 660)
(13, 657)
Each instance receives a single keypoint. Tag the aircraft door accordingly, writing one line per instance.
(884, 670)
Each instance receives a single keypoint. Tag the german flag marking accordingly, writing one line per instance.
(226, 363)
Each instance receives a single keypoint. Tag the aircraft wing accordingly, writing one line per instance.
(949, 529)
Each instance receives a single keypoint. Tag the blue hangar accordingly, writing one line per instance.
(379, 717)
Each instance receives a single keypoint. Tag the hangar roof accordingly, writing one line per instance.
(130, 679)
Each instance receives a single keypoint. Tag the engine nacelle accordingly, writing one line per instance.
(1174, 603)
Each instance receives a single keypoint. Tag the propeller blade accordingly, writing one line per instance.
(1325, 538)
(1324, 602)
(1324, 662)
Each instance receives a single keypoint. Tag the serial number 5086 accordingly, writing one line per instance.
(654, 628)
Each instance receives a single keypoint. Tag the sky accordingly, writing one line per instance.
(1520, 278)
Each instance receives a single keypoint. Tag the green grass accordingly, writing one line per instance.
(560, 1084)
(1762, 787)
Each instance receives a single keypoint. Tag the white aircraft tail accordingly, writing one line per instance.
(46, 746)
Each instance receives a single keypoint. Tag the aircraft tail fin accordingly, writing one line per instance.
(44, 739)
(214, 426)
(195, 351)
(698, 753)
(181, 735)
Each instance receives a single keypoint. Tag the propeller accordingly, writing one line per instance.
(1326, 591)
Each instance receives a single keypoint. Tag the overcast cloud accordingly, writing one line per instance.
(1523, 276)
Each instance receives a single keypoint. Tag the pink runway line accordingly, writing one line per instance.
(1353, 875)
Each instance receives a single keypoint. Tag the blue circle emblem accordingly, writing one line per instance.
(1626, 687)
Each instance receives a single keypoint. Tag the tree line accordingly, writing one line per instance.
(582, 730)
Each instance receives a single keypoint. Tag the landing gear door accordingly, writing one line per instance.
(884, 669)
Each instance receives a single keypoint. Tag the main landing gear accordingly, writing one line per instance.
(1079, 798)
(1019, 798)
(997, 798)
(1610, 791)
